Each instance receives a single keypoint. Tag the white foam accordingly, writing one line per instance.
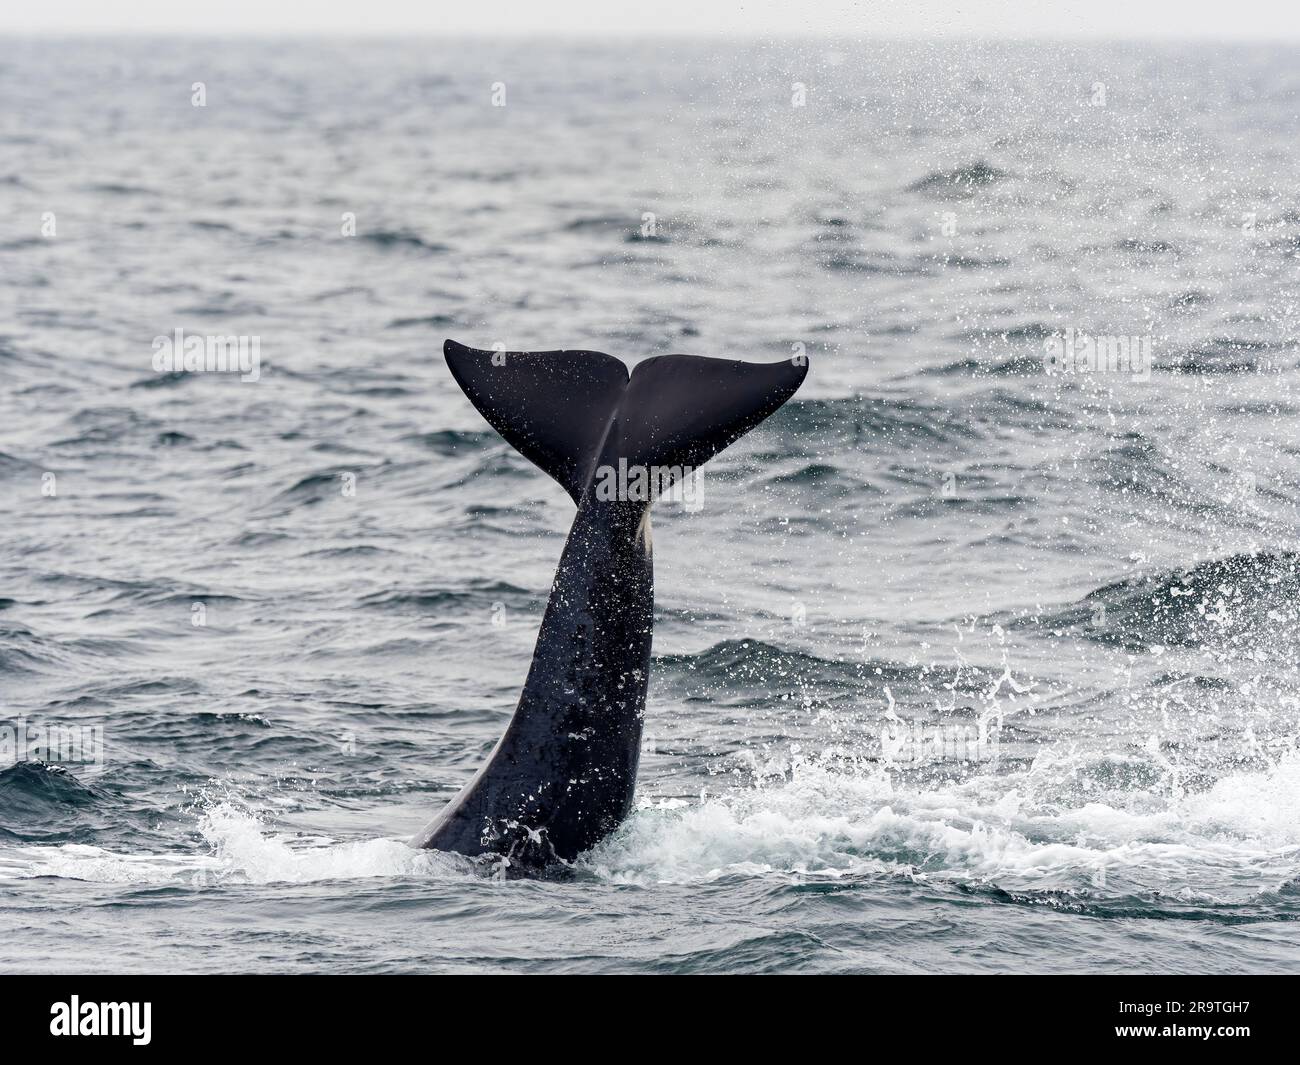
(73, 861)
(1243, 833)
(243, 851)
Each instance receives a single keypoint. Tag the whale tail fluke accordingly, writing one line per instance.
(570, 411)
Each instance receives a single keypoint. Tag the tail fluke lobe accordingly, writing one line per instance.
(681, 410)
(571, 411)
(553, 407)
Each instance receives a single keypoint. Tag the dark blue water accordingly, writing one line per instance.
(961, 665)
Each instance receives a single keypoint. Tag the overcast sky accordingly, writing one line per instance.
(1230, 19)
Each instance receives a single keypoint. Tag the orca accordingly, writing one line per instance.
(561, 777)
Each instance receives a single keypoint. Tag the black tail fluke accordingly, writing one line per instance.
(569, 411)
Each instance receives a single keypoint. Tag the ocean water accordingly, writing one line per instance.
(961, 665)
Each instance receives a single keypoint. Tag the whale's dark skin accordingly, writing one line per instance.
(562, 776)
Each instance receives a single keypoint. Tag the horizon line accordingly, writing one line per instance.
(400, 33)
